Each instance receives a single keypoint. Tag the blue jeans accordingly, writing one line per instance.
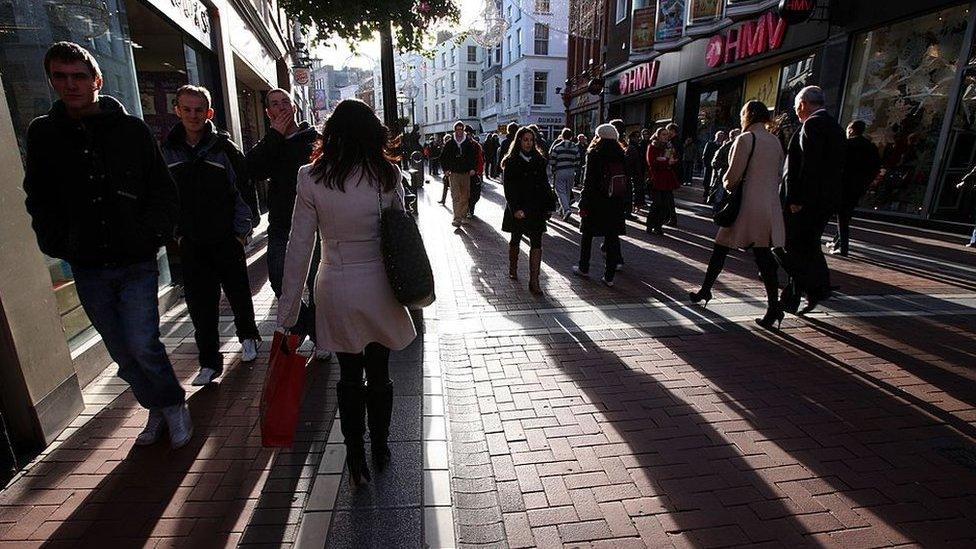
(972, 239)
(563, 180)
(123, 305)
(277, 247)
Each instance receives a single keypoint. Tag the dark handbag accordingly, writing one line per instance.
(405, 258)
(727, 209)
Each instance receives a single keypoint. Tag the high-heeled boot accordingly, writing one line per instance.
(715, 265)
(352, 421)
(769, 272)
(379, 409)
(535, 266)
(513, 255)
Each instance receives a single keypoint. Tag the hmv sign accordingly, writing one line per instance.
(747, 40)
(641, 77)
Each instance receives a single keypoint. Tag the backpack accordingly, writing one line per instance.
(615, 179)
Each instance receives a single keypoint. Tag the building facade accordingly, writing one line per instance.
(533, 64)
(146, 49)
(327, 85)
(450, 86)
(907, 70)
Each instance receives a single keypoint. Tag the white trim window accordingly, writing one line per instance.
(472, 107)
(540, 88)
(518, 89)
(518, 43)
(472, 54)
(542, 6)
(622, 11)
(472, 80)
(541, 39)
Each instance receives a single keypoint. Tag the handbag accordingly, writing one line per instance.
(281, 397)
(727, 209)
(404, 257)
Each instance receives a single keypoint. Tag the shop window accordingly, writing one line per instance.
(704, 11)
(900, 79)
(794, 77)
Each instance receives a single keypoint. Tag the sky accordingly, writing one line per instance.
(341, 55)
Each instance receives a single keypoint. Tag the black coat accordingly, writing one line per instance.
(278, 158)
(212, 209)
(98, 190)
(860, 168)
(601, 215)
(815, 164)
(459, 159)
(527, 189)
(637, 161)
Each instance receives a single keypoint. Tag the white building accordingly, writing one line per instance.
(450, 86)
(532, 57)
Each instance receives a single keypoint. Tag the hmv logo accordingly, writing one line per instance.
(795, 12)
(747, 40)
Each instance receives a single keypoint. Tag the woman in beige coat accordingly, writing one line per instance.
(356, 316)
(759, 224)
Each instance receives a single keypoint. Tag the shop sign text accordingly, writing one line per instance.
(639, 78)
(192, 16)
(747, 40)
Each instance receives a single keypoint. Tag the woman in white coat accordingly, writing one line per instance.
(357, 316)
(756, 162)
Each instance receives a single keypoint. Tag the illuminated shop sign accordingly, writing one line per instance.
(746, 40)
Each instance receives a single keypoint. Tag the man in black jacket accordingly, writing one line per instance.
(507, 142)
(214, 225)
(100, 198)
(286, 147)
(708, 154)
(459, 159)
(814, 167)
(861, 166)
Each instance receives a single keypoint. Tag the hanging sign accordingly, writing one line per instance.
(303, 76)
(749, 39)
(795, 12)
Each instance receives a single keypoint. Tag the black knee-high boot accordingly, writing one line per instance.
(352, 410)
(379, 410)
(769, 270)
(715, 265)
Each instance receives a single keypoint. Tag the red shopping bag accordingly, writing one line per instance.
(282, 395)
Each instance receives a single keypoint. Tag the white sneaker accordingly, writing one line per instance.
(180, 425)
(607, 283)
(324, 355)
(249, 350)
(205, 376)
(579, 272)
(154, 428)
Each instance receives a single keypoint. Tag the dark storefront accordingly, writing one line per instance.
(908, 70)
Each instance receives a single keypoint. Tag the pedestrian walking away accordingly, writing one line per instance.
(636, 155)
(661, 161)
(100, 198)
(478, 179)
(529, 203)
(445, 179)
(708, 154)
(506, 144)
(214, 225)
(564, 160)
(459, 158)
(756, 170)
(603, 205)
(491, 155)
(285, 148)
(720, 164)
(357, 314)
(814, 168)
(861, 166)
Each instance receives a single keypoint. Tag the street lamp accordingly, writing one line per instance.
(411, 91)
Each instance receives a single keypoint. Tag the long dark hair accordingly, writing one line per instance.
(354, 138)
(516, 145)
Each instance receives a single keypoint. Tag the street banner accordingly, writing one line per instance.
(670, 20)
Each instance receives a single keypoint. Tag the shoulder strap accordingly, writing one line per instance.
(749, 160)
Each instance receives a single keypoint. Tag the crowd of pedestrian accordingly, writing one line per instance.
(104, 196)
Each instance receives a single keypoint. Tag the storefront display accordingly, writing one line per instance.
(670, 20)
(704, 11)
(642, 29)
(763, 85)
(899, 83)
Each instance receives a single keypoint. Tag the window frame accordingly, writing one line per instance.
(536, 40)
(545, 93)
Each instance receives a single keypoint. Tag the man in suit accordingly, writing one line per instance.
(708, 154)
(812, 191)
(861, 166)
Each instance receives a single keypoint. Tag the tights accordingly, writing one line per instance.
(535, 239)
(768, 269)
(374, 361)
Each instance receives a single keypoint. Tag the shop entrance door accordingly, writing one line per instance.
(718, 109)
(954, 204)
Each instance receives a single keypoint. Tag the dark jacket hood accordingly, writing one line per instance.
(109, 109)
(177, 135)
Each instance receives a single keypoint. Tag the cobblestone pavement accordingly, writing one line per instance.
(592, 416)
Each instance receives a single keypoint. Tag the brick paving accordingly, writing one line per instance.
(604, 417)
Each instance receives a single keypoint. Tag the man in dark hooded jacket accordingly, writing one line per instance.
(100, 198)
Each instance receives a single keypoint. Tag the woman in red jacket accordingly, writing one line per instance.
(661, 162)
